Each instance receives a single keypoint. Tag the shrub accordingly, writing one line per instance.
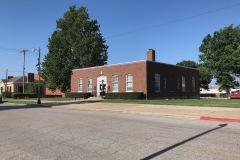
(77, 95)
(125, 95)
(6, 94)
(23, 95)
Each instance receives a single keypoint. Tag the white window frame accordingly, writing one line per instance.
(115, 83)
(157, 82)
(80, 84)
(129, 83)
(193, 84)
(183, 84)
(89, 86)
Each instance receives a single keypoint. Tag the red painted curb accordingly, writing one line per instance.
(219, 119)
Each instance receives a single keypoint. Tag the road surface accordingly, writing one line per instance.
(60, 134)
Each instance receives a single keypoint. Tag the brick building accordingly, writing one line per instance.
(19, 85)
(15, 85)
(154, 79)
(48, 92)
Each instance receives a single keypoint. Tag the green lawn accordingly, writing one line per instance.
(230, 103)
(34, 100)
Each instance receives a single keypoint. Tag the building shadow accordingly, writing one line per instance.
(183, 142)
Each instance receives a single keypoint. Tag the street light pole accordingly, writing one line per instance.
(24, 52)
(39, 56)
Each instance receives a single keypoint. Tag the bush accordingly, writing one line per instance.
(32, 88)
(23, 95)
(6, 94)
(125, 95)
(77, 95)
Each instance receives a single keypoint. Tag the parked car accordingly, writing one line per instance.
(234, 95)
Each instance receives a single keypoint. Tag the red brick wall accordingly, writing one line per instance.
(49, 93)
(137, 69)
(172, 74)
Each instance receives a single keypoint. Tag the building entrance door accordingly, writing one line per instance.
(101, 85)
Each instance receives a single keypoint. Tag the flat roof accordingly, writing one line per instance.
(172, 65)
(133, 63)
(118, 64)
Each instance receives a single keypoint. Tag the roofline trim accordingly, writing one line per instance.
(173, 65)
(118, 64)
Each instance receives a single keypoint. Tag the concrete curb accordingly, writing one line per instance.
(219, 119)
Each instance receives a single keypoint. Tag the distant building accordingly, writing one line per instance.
(154, 79)
(213, 91)
(15, 84)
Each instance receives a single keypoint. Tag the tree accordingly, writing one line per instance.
(187, 63)
(32, 88)
(76, 43)
(205, 75)
(221, 55)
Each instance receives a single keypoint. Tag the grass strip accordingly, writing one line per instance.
(229, 103)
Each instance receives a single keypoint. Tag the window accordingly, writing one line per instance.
(193, 84)
(80, 85)
(165, 83)
(129, 83)
(183, 84)
(115, 83)
(89, 85)
(178, 83)
(157, 83)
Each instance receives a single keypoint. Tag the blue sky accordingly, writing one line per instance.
(174, 28)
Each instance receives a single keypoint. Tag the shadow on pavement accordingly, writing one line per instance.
(181, 143)
(51, 104)
(8, 106)
(4, 107)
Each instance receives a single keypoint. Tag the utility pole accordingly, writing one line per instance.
(24, 52)
(6, 84)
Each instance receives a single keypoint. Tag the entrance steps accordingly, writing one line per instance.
(95, 98)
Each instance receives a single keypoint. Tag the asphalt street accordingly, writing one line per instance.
(30, 133)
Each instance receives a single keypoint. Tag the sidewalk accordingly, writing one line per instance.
(203, 113)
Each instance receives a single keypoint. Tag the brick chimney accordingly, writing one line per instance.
(151, 55)
(30, 77)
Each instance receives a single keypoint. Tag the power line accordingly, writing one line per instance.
(10, 49)
(174, 21)
(10, 71)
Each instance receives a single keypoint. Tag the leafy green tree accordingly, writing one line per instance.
(187, 63)
(221, 55)
(32, 88)
(76, 43)
(205, 75)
